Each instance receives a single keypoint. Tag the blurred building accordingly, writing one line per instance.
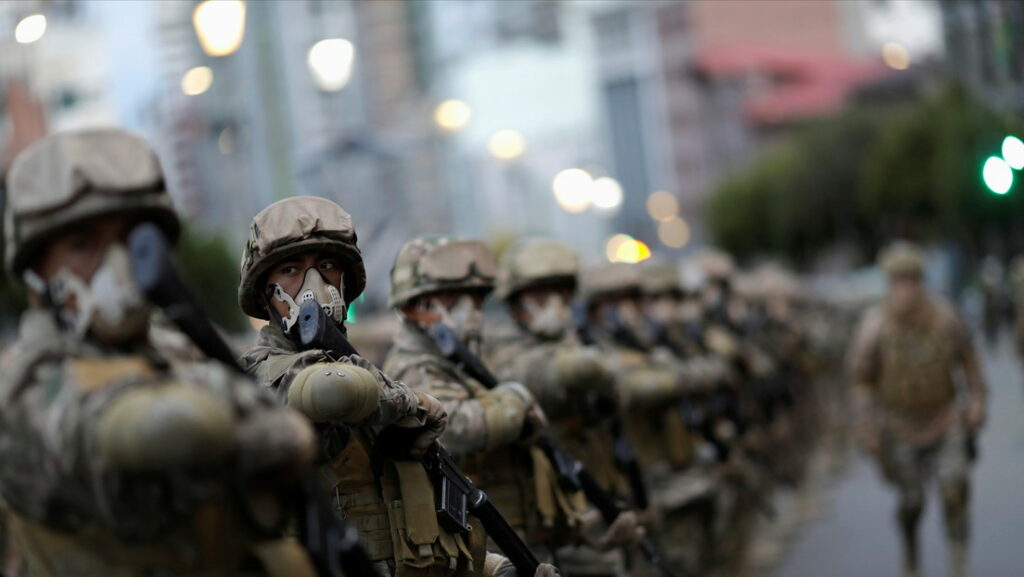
(268, 127)
(691, 91)
(985, 48)
(59, 75)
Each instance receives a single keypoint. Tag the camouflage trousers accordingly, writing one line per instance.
(910, 468)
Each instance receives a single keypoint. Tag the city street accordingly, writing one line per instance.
(856, 535)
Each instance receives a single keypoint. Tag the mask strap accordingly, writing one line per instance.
(37, 285)
(275, 316)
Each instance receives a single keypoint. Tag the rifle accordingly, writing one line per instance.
(571, 473)
(456, 493)
(625, 456)
(333, 546)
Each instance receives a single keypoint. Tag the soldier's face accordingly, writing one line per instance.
(904, 294)
(81, 250)
(544, 311)
(290, 274)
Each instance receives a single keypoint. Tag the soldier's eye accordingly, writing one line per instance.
(329, 265)
(290, 269)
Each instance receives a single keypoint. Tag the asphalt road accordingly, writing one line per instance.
(856, 536)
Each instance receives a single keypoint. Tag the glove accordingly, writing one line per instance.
(975, 414)
(497, 566)
(425, 426)
(625, 531)
(583, 368)
(546, 570)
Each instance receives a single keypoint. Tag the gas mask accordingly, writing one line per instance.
(314, 288)
(624, 322)
(464, 318)
(549, 318)
(110, 306)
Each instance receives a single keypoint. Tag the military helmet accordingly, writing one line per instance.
(293, 226)
(715, 263)
(438, 263)
(71, 176)
(902, 259)
(778, 282)
(536, 262)
(659, 278)
(610, 280)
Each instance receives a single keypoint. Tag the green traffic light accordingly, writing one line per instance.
(1013, 152)
(997, 174)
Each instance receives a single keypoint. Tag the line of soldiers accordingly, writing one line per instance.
(660, 409)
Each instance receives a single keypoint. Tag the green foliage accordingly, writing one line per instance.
(213, 269)
(867, 175)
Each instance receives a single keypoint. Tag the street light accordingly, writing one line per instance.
(452, 115)
(506, 145)
(197, 80)
(30, 29)
(674, 233)
(624, 248)
(1013, 152)
(662, 206)
(606, 193)
(219, 25)
(895, 56)
(997, 174)
(573, 188)
(330, 63)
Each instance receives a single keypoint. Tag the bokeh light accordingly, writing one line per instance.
(506, 145)
(330, 63)
(574, 189)
(895, 56)
(997, 174)
(219, 25)
(197, 80)
(452, 115)
(662, 206)
(30, 29)
(674, 233)
(606, 193)
(1013, 152)
(624, 248)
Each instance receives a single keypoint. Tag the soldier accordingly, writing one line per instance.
(572, 383)
(443, 281)
(120, 459)
(652, 388)
(903, 361)
(302, 249)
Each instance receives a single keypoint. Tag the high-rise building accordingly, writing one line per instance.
(985, 48)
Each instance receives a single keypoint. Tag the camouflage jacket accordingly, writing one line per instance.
(484, 428)
(56, 391)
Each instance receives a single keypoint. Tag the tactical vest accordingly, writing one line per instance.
(916, 375)
(658, 434)
(518, 480)
(391, 505)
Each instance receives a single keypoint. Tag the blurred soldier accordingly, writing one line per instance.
(301, 249)
(443, 281)
(903, 359)
(572, 383)
(652, 389)
(121, 459)
(1017, 297)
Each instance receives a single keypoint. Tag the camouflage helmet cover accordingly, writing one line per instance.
(610, 280)
(290, 227)
(902, 259)
(536, 262)
(438, 263)
(716, 263)
(659, 278)
(72, 176)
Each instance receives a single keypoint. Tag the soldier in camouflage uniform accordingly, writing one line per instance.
(653, 387)
(301, 249)
(904, 359)
(120, 458)
(491, 431)
(572, 383)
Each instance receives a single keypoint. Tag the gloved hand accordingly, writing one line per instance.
(535, 421)
(975, 414)
(625, 531)
(429, 421)
(497, 566)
